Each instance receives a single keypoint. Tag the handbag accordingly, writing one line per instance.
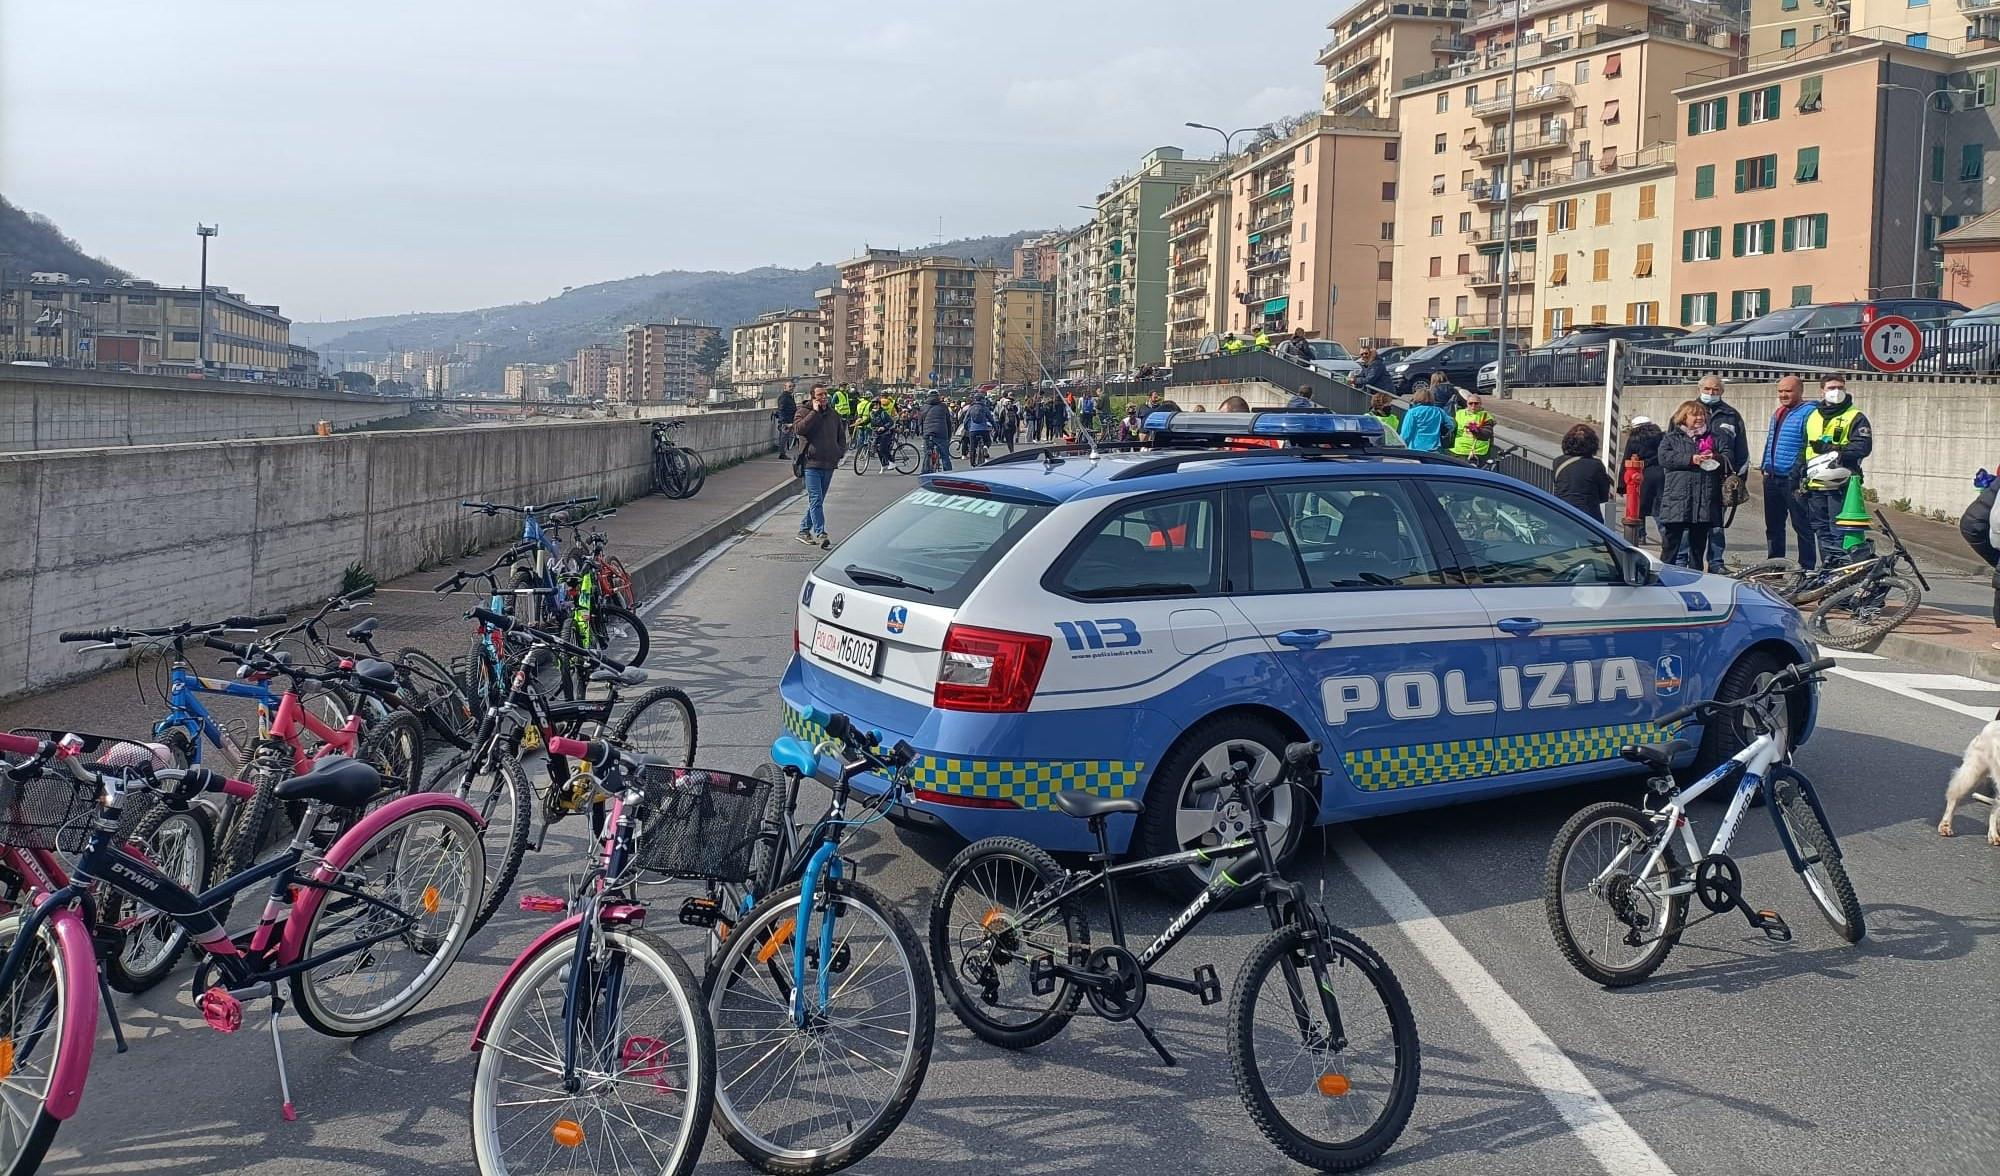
(799, 462)
(1735, 491)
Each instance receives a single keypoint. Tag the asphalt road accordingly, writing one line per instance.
(1739, 1056)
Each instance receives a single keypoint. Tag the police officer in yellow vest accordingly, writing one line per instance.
(1472, 431)
(1231, 345)
(1838, 437)
(1263, 342)
(841, 406)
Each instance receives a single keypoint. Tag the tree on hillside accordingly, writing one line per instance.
(30, 242)
(709, 356)
(355, 381)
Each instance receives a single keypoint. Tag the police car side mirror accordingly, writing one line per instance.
(1634, 568)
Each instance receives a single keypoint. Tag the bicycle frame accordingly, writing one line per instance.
(291, 716)
(186, 712)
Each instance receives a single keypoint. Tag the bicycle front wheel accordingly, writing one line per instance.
(620, 635)
(180, 845)
(1611, 924)
(435, 694)
(1863, 613)
(1781, 576)
(1817, 857)
(864, 459)
(501, 794)
(908, 457)
(669, 473)
(697, 471)
(1332, 1095)
(411, 890)
(32, 1009)
(644, 1079)
(820, 1090)
(661, 725)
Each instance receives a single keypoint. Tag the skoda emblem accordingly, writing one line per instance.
(839, 603)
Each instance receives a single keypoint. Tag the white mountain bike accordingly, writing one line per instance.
(1616, 887)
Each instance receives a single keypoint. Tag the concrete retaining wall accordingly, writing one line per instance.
(1930, 438)
(50, 408)
(153, 534)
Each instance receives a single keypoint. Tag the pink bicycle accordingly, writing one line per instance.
(360, 934)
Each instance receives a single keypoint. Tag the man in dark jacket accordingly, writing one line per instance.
(1732, 442)
(1980, 524)
(934, 424)
(825, 437)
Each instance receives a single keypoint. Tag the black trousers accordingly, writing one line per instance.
(1781, 508)
(1696, 535)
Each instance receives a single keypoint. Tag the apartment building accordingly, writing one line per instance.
(1828, 175)
(1301, 217)
(1035, 258)
(46, 319)
(834, 302)
(1378, 43)
(594, 365)
(1024, 331)
(1126, 324)
(1606, 247)
(934, 325)
(659, 361)
(1198, 273)
(1076, 297)
(1776, 26)
(534, 381)
(1589, 88)
(861, 327)
(779, 345)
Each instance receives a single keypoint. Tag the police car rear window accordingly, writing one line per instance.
(938, 544)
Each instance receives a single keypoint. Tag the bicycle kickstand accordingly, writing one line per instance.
(1153, 1039)
(110, 1009)
(278, 1048)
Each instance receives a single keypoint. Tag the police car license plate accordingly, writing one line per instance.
(842, 648)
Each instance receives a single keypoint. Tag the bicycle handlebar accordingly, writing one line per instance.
(840, 728)
(497, 507)
(20, 744)
(1783, 682)
(184, 629)
(1296, 756)
(507, 624)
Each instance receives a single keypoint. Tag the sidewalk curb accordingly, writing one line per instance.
(1983, 664)
(652, 573)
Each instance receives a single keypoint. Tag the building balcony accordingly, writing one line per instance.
(1183, 320)
(1488, 194)
(1357, 67)
(1186, 289)
(1272, 220)
(1529, 143)
(1351, 100)
(1270, 259)
(1190, 261)
(1451, 44)
(1977, 5)
(1524, 230)
(1516, 319)
(1525, 98)
(1188, 232)
(1519, 275)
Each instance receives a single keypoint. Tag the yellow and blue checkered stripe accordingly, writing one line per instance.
(1031, 784)
(1380, 769)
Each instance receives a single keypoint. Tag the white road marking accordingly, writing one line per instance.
(1597, 1125)
(1919, 687)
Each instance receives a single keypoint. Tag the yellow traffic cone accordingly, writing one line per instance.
(1853, 519)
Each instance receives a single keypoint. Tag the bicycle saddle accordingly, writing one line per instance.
(788, 752)
(363, 628)
(629, 676)
(1090, 804)
(337, 780)
(1657, 755)
(378, 677)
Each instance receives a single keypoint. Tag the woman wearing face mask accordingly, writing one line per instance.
(1691, 490)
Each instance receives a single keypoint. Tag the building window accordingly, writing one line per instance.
(1388, 230)
(1789, 5)
(1642, 313)
(1385, 270)
(1698, 310)
(1437, 144)
(1704, 117)
(1983, 85)
(1600, 266)
(1810, 90)
(1920, 3)
(1649, 195)
(1643, 267)
(1465, 263)
(1562, 215)
(1758, 171)
(1472, 95)
(187, 336)
(1389, 150)
(1431, 309)
(1384, 309)
(1801, 295)
(1583, 69)
(1604, 208)
(1755, 106)
(1613, 65)
(1701, 244)
(1937, 164)
(1437, 185)
(1461, 304)
(1437, 226)
(1754, 238)
(1555, 321)
(1971, 161)
(1749, 304)
(1437, 266)
(1918, 40)
(1808, 170)
(1388, 189)
(1704, 181)
(1559, 269)
(1443, 102)
(1465, 222)
(1788, 38)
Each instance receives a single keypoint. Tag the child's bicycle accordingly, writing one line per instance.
(595, 1047)
(1322, 1041)
(1615, 888)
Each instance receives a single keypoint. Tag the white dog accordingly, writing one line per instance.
(1982, 763)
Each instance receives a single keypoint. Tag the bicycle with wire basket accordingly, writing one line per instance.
(819, 993)
(360, 934)
(1322, 1042)
(678, 472)
(1615, 889)
(1852, 605)
(596, 1047)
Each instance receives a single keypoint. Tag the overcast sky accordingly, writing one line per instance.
(371, 157)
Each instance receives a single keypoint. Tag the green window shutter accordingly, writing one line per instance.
(1736, 242)
(1971, 161)
(1770, 171)
(1694, 118)
(1801, 295)
(1770, 234)
(1704, 181)
(1819, 231)
(1789, 240)
(1743, 108)
(1687, 244)
(1735, 305)
(1764, 301)
(1808, 165)
(1687, 309)
(1770, 103)
(1742, 169)
(1721, 114)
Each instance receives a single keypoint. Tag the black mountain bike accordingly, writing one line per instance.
(1854, 604)
(1322, 1042)
(678, 472)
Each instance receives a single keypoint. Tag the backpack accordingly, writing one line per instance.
(1089, 405)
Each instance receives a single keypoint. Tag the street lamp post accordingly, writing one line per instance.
(204, 232)
(1923, 165)
(1228, 137)
(1507, 213)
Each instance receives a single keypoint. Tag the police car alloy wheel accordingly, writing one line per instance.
(1175, 819)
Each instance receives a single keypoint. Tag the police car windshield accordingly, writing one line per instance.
(932, 546)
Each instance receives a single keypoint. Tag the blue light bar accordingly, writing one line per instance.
(1308, 428)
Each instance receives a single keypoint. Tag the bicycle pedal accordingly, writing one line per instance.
(1772, 926)
(699, 911)
(547, 904)
(223, 1012)
(1042, 976)
(1208, 985)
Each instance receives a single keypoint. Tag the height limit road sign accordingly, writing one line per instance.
(1892, 343)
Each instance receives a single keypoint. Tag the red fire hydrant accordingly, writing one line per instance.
(1635, 476)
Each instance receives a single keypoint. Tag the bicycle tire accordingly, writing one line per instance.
(697, 471)
(446, 901)
(994, 938)
(629, 646)
(770, 924)
(1782, 577)
(616, 580)
(660, 724)
(908, 457)
(248, 825)
(32, 1015)
(1288, 946)
(506, 803)
(122, 970)
(1877, 606)
(1817, 854)
(436, 695)
(1668, 923)
(666, 473)
(522, 1014)
(863, 460)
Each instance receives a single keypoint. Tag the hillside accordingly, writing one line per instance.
(554, 328)
(31, 243)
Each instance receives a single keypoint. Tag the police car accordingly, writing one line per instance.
(1128, 623)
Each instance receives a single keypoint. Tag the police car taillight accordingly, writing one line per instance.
(989, 670)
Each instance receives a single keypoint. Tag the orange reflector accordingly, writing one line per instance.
(567, 1132)
(6, 1057)
(722, 931)
(1333, 1085)
(990, 918)
(776, 941)
(430, 900)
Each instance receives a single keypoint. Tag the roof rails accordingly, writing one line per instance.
(1168, 462)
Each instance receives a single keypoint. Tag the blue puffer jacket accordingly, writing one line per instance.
(1425, 426)
(1786, 437)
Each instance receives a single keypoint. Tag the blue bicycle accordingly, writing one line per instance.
(577, 607)
(188, 727)
(821, 996)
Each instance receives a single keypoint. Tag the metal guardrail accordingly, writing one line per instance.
(1949, 349)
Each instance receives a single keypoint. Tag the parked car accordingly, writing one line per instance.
(1829, 334)
(1459, 361)
(1395, 355)
(1690, 349)
(1578, 357)
(1333, 359)
(1968, 343)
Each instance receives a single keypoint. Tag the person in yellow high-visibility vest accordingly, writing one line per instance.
(1263, 342)
(1231, 345)
(1472, 431)
(1838, 438)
